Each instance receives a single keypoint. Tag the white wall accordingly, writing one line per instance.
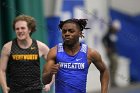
(49, 7)
(98, 8)
(52, 7)
(131, 7)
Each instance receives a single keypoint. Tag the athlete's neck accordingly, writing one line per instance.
(24, 43)
(72, 49)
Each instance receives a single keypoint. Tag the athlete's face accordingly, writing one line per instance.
(22, 31)
(70, 33)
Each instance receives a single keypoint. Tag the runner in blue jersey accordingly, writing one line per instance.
(70, 60)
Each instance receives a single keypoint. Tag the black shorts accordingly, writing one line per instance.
(29, 91)
(34, 91)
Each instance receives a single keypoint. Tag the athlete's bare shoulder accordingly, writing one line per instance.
(53, 51)
(43, 48)
(93, 55)
(7, 48)
(92, 51)
(42, 45)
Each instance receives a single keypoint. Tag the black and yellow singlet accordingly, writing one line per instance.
(24, 68)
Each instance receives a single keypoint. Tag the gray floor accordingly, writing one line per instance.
(133, 88)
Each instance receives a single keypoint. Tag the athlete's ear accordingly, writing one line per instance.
(81, 34)
(29, 31)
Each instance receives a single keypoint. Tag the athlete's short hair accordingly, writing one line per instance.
(81, 23)
(31, 23)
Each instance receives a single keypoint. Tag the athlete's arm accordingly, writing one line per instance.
(3, 66)
(48, 86)
(96, 59)
(50, 67)
(43, 51)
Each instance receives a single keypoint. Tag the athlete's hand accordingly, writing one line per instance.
(55, 68)
(6, 90)
(47, 88)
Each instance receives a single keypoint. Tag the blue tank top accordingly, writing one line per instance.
(72, 75)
